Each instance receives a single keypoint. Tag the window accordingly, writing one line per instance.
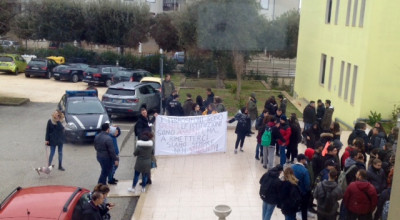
(362, 12)
(322, 71)
(337, 11)
(346, 86)
(341, 79)
(348, 12)
(330, 74)
(264, 4)
(353, 85)
(355, 12)
(328, 11)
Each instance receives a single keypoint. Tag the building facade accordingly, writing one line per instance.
(347, 52)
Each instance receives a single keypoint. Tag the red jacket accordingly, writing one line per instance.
(346, 155)
(286, 131)
(356, 199)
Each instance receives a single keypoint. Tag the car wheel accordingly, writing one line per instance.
(48, 76)
(27, 75)
(57, 78)
(108, 83)
(16, 72)
(74, 78)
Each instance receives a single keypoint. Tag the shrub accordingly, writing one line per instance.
(373, 118)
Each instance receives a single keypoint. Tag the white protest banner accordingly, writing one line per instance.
(190, 134)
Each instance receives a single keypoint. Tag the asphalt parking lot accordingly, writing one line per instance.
(22, 143)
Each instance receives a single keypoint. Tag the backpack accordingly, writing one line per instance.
(342, 180)
(259, 122)
(296, 198)
(327, 203)
(266, 137)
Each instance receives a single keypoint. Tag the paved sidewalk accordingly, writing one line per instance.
(188, 187)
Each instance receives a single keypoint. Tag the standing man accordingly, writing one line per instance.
(210, 98)
(188, 105)
(360, 198)
(285, 131)
(106, 155)
(144, 123)
(166, 90)
(252, 108)
(282, 104)
(320, 111)
(327, 119)
(327, 193)
(302, 174)
(309, 116)
(174, 107)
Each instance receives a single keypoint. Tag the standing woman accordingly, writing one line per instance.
(242, 127)
(289, 195)
(144, 151)
(55, 137)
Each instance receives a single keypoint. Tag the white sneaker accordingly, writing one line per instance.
(235, 151)
(143, 190)
(298, 216)
(132, 190)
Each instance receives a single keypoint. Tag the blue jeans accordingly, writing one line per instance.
(282, 153)
(259, 150)
(106, 164)
(290, 217)
(53, 151)
(267, 211)
(307, 126)
(136, 179)
(113, 169)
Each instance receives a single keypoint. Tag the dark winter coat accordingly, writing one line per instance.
(220, 107)
(317, 162)
(209, 100)
(314, 135)
(196, 113)
(104, 146)
(327, 119)
(174, 108)
(167, 88)
(360, 134)
(360, 197)
(376, 140)
(295, 136)
(270, 186)
(144, 151)
(275, 135)
(142, 125)
(309, 114)
(334, 159)
(377, 178)
(187, 107)
(286, 131)
(351, 175)
(91, 212)
(385, 196)
(283, 105)
(243, 123)
(286, 198)
(252, 108)
(54, 133)
(271, 106)
(320, 195)
(302, 174)
(320, 112)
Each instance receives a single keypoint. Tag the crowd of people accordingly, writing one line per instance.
(348, 185)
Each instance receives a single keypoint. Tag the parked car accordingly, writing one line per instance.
(72, 72)
(130, 75)
(179, 57)
(6, 44)
(126, 98)
(84, 115)
(100, 75)
(153, 81)
(12, 63)
(40, 67)
(57, 59)
(45, 202)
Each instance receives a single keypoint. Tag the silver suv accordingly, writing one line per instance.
(126, 98)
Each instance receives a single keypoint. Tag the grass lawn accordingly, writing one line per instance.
(198, 87)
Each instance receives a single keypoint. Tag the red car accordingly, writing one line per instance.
(44, 202)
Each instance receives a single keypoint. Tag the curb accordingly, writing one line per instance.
(16, 102)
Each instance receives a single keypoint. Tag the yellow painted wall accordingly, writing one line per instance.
(361, 46)
(382, 88)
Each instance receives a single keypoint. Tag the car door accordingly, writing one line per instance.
(21, 63)
(153, 100)
(144, 96)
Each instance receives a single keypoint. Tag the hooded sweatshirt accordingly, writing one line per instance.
(360, 197)
(270, 185)
(320, 193)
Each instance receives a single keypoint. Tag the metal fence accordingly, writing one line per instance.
(269, 66)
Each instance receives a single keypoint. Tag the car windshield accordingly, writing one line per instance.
(5, 59)
(92, 70)
(37, 63)
(123, 73)
(125, 92)
(153, 84)
(81, 107)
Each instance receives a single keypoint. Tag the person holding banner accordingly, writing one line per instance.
(210, 109)
(196, 111)
(144, 123)
(242, 127)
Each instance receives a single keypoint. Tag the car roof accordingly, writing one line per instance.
(44, 202)
(126, 85)
(39, 59)
(151, 79)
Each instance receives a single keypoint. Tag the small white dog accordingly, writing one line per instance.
(46, 170)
